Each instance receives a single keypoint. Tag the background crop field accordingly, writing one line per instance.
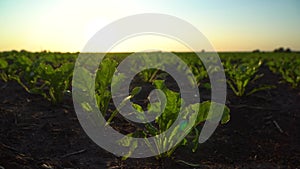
(39, 128)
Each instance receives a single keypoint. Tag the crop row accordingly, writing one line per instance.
(50, 75)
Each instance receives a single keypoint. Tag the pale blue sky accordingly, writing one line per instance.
(231, 25)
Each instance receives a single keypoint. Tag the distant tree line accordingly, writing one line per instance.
(281, 50)
(278, 50)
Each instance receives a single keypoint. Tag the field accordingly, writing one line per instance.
(259, 129)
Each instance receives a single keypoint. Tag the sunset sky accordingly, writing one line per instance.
(231, 25)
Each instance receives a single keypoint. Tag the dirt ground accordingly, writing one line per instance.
(264, 132)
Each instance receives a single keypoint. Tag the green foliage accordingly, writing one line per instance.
(197, 68)
(149, 75)
(288, 66)
(103, 81)
(149, 59)
(39, 76)
(3, 67)
(241, 74)
(49, 74)
(57, 81)
(168, 117)
(22, 70)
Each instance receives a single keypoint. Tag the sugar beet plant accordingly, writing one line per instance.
(241, 74)
(37, 75)
(168, 117)
(3, 68)
(102, 85)
(197, 68)
(288, 67)
(161, 123)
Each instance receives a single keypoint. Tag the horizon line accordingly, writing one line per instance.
(203, 51)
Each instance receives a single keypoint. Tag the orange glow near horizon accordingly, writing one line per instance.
(67, 25)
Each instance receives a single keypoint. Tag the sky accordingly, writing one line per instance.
(231, 25)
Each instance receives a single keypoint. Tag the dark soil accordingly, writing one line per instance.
(264, 132)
